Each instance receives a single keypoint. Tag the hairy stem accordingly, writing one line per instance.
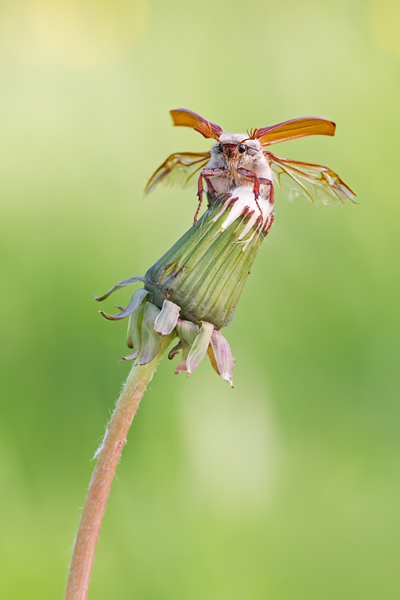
(102, 478)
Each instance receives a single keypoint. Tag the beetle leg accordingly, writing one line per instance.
(198, 209)
(206, 173)
(200, 191)
(256, 187)
(264, 181)
(270, 223)
(210, 188)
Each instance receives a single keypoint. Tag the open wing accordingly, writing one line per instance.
(315, 182)
(187, 118)
(178, 169)
(294, 129)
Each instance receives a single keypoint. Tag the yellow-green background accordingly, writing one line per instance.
(288, 486)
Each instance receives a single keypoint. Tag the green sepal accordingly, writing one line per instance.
(134, 335)
(151, 340)
(187, 332)
(166, 321)
(118, 286)
(134, 303)
(199, 347)
(223, 356)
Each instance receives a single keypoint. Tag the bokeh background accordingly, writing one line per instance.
(287, 487)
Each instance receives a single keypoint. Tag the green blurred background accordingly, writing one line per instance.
(287, 487)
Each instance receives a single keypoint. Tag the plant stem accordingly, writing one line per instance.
(103, 475)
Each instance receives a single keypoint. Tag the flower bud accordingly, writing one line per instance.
(205, 271)
(193, 290)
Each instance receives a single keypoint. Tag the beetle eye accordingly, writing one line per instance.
(242, 148)
(221, 147)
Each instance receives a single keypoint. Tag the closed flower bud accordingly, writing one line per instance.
(193, 290)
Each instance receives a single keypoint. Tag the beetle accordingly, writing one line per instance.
(241, 160)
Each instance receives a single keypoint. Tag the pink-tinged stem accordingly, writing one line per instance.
(103, 475)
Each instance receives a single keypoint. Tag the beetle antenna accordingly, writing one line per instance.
(252, 133)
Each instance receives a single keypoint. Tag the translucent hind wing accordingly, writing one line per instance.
(316, 182)
(178, 169)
